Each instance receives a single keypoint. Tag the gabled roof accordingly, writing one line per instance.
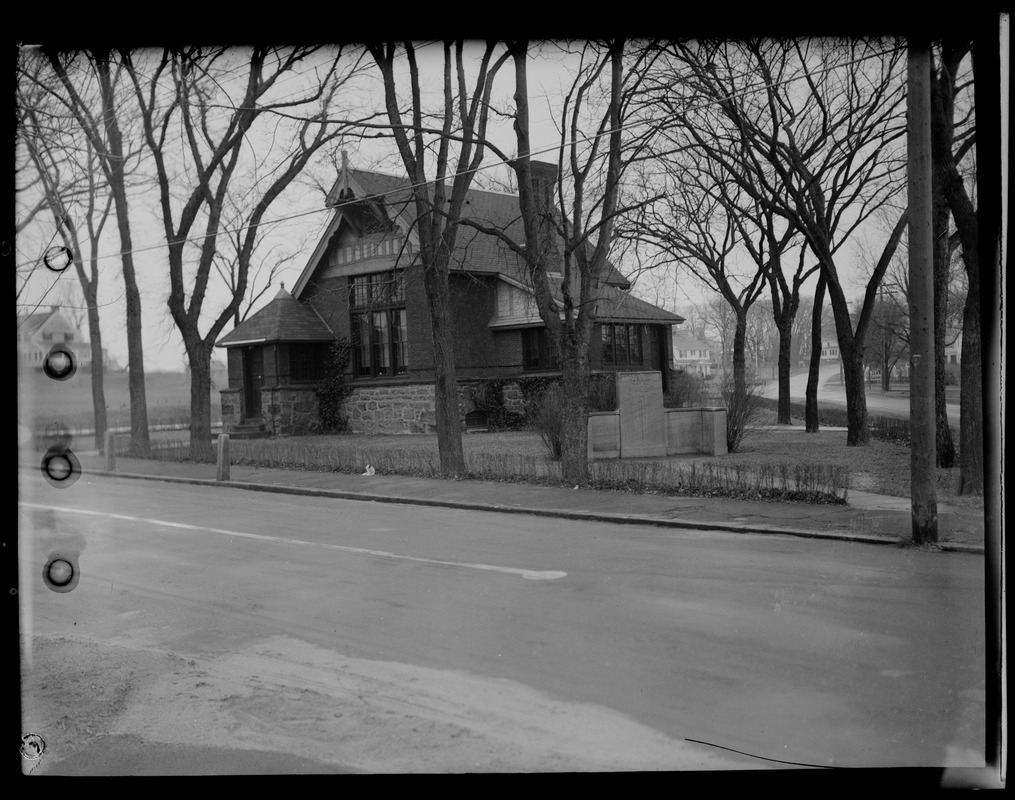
(620, 306)
(30, 323)
(284, 319)
(685, 340)
(390, 196)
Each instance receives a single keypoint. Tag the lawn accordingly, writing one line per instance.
(879, 467)
(43, 401)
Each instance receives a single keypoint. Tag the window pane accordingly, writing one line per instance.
(620, 344)
(360, 291)
(361, 344)
(398, 288)
(607, 347)
(635, 342)
(381, 351)
(399, 333)
(530, 349)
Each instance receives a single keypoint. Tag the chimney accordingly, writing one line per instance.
(544, 183)
(544, 180)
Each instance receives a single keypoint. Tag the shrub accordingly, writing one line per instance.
(546, 417)
(741, 410)
(602, 391)
(685, 390)
(488, 397)
(333, 392)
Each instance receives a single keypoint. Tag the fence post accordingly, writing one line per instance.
(222, 465)
(110, 451)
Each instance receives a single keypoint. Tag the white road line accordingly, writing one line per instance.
(528, 574)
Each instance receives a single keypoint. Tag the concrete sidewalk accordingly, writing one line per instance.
(867, 518)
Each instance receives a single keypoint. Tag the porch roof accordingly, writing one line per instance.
(284, 319)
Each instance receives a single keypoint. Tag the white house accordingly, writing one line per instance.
(691, 354)
(829, 344)
(39, 332)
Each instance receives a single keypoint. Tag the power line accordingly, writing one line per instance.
(268, 224)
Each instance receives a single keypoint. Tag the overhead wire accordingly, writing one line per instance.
(268, 224)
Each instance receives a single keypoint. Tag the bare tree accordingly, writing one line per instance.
(818, 125)
(188, 97)
(87, 86)
(952, 140)
(568, 214)
(262, 275)
(70, 179)
(439, 194)
(697, 226)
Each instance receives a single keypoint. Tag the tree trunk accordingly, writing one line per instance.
(971, 398)
(574, 462)
(446, 411)
(856, 399)
(942, 258)
(199, 359)
(140, 445)
(98, 370)
(785, 359)
(740, 354)
(811, 396)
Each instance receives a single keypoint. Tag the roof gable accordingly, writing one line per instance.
(390, 197)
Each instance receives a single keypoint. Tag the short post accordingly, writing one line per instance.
(222, 464)
(110, 451)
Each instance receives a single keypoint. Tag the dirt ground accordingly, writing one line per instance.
(284, 706)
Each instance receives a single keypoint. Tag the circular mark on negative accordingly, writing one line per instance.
(60, 467)
(57, 258)
(5, 249)
(60, 363)
(61, 573)
(32, 746)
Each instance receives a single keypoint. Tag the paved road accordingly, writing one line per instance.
(330, 635)
(831, 392)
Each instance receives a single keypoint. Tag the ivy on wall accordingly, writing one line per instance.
(334, 391)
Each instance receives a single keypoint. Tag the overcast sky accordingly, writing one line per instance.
(549, 76)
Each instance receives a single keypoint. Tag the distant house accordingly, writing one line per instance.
(690, 354)
(829, 344)
(39, 332)
(953, 347)
(363, 281)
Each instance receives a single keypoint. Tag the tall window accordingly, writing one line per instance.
(622, 345)
(379, 325)
(538, 351)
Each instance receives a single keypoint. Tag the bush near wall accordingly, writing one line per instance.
(488, 397)
(685, 390)
(544, 405)
(602, 390)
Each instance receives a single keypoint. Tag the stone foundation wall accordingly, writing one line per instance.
(406, 408)
(409, 408)
(401, 408)
(232, 406)
(289, 410)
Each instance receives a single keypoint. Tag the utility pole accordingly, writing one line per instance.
(923, 433)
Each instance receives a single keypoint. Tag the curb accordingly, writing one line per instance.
(590, 516)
